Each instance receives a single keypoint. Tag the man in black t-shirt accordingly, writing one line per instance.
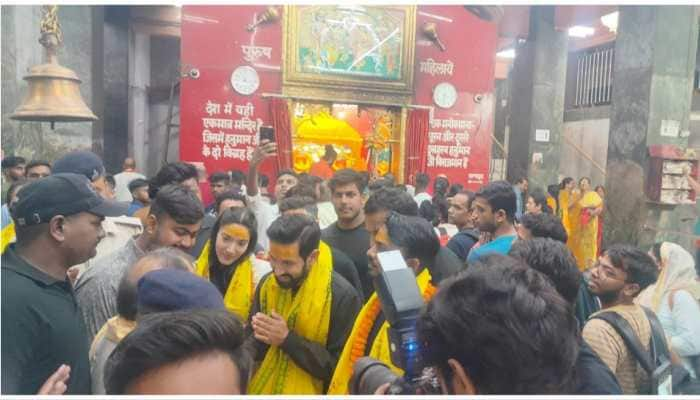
(348, 233)
(460, 214)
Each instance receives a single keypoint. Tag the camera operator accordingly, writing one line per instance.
(500, 328)
(419, 246)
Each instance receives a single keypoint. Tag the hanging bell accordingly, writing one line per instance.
(54, 93)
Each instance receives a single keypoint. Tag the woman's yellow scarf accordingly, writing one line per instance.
(239, 294)
(308, 314)
(8, 236)
(357, 341)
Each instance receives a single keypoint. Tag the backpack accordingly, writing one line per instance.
(666, 378)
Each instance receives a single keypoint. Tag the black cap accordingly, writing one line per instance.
(61, 194)
(80, 162)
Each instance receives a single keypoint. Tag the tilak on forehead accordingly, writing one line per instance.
(284, 251)
(237, 231)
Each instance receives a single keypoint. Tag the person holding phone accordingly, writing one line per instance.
(266, 212)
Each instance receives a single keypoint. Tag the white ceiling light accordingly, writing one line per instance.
(507, 53)
(581, 31)
(610, 21)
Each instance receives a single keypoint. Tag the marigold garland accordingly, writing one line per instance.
(360, 343)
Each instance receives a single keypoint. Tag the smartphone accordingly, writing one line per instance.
(267, 133)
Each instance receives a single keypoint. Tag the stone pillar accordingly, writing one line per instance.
(537, 100)
(652, 82)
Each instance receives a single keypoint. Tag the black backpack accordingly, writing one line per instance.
(666, 378)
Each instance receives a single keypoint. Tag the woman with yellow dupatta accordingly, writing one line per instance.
(567, 185)
(227, 260)
(589, 206)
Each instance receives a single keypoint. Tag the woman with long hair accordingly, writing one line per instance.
(675, 298)
(588, 207)
(227, 259)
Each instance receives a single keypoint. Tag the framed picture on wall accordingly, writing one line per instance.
(350, 47)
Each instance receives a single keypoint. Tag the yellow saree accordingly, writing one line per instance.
(586, 246)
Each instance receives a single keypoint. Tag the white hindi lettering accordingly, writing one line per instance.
(228, 108)
(246, 110)
(252, 53)
(429, 66)
(221, 123)
(434, 137)
(216, 152)
(212, 108)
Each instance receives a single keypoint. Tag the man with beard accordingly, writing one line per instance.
(621, 273)
(301, 315)
(348, 233)
(420, 247)
(58, 225)
(173, 221)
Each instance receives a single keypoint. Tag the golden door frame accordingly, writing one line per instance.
(352, 89)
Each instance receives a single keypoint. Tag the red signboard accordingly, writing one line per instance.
(219, 124)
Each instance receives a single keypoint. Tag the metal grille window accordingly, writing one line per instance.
(590, 72)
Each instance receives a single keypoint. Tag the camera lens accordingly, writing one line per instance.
(369, 374)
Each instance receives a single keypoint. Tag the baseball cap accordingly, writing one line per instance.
(170, 289)
(61, 194)
(80, 162)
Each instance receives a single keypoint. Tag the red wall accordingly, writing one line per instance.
(212, 37)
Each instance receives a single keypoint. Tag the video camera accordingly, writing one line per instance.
(401, 303)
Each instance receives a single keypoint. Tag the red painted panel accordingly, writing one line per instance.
(212, 40)
(470, 45)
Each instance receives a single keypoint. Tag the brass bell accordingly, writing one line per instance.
(54, 93)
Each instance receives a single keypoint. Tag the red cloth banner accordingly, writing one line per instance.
(416, 143)
(279, 112)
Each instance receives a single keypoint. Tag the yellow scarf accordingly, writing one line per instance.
(8, 236)
(357, 341)
(308, 314)
(239, 294)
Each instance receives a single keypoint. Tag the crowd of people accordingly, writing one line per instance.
(188, 283)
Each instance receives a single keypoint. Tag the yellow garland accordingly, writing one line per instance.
(240, 291)
(357, 341)
(307, 314)
(8, 235)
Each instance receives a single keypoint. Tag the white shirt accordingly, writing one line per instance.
(326, 214)
(265, 213)
(122, 181)
(421, 197)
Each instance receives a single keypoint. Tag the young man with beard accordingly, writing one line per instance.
(265, 212)
(420, 247)
(173, 221)
(460, 214)
(340, 262)
(494, 211)
(348, 233)
(621, 273)
(302, 312)
(58, 225)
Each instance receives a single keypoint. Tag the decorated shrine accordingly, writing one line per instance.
(394, 89)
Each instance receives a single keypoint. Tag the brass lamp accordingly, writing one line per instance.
(54, 94)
